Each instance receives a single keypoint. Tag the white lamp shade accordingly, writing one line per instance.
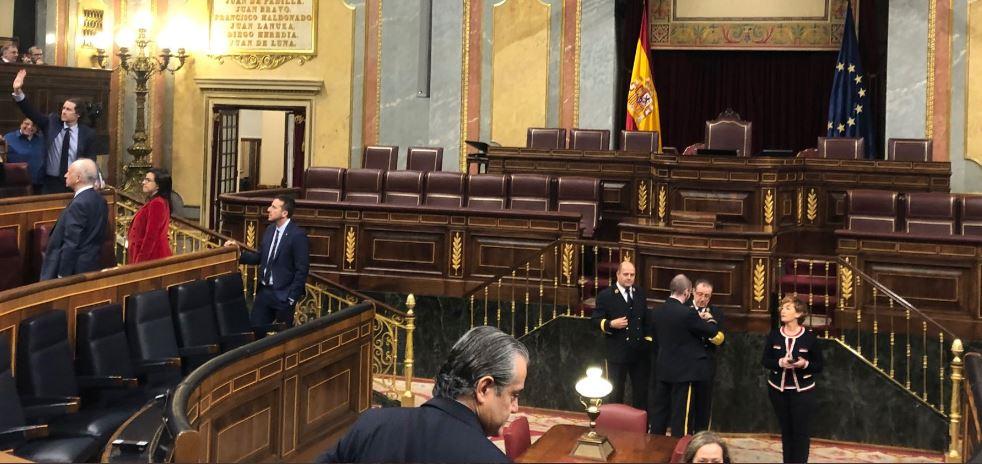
(594, 385)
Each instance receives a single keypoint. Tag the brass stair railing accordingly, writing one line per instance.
(559, 280)
(393, 329)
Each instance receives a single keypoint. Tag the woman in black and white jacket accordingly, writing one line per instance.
(792, 358)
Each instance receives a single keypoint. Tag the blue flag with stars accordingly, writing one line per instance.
(849, 108)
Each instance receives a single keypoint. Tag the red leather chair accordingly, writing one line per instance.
(971, 215)
(39, 244)
(404, 188)
(323, 184)
(487, 191)
(11, 260)
(931, 213)
(618, 416)
(17, 181)
(445, 189)
(424, 159)
(909, 150)
(363, 186)
(518, 437)
(678, 454)
(546, 138)
(640, 141)
(589, 139)
(841, 147)
(808, 153)
(529, 192)
(580, 195)
(872, 210)
(381, 157)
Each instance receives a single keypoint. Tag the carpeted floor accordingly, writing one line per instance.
(752, 448)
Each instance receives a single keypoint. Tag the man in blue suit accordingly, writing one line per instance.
(76, 241)
(284, 261)
(65, 140)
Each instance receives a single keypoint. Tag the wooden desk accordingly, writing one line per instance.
(556, 444)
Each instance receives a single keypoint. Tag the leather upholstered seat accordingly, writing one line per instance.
(487, 191)
(381, 157)
(529, 192)
(194, 320)
(404, 188)
(424, 159)
(11, 260)
(616, 416)
(931, 213)
(231, 312)
(918, 150)
(729, 132)
(639, 141)
(850, 148)
(39, 244)
(323, 184)
(872, 211)
(970, 212)
(150, 332)
(580, 195)
(546, 138)
(589, 139)
(363, 186)
(17, 180)
(445, 189)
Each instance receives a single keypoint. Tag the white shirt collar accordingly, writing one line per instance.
(87, 187)
(280, 229)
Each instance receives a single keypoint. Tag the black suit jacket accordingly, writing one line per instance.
(680, 334)
(290, 265)
(627, 344)
(51, 125)
(441, 430)
(76, 241)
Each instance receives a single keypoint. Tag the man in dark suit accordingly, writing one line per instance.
(682, 359)
(65, 140)
(76, 241)
(702, 390)
(476, 390)
(621, 315)
(284, 261)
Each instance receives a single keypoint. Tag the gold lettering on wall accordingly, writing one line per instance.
(263, 34)
(520, 69)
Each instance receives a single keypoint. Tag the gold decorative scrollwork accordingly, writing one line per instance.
(250, 235)
(299, 118)
(627, 257)
(812, 205)
(262, 62)
(759, 278)
(349, 246)
(567, 265)
(642, 196)
(845, 284)
(385, 345)
(769, 207)
(457, 252)
(662, 202)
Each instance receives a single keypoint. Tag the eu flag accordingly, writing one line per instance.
(849, 109)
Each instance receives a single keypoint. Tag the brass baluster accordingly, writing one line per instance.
(512, 302)
(472, 310)
(828, 312)
(542, 268)
(780, 287)
(876, 333)
(811, 292)
(859, 328)
(941, 369)
(528, 266)
(497, 305)
(555, 296)
(907, 315)
(924, 362)
(582, 281)
(596, 271)
(794, 287)
(955, 415)
(485, 305)
(610, 270)
(892, 332)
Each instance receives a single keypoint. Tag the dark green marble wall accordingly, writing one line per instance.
(855, 403)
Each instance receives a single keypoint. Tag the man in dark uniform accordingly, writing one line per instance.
(682, 358)
(476, 390)
(702, 390)
(620, 315)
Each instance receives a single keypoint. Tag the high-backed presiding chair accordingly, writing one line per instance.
(970, 212)
(850, 148)
(445, 189)
(381, 157)
(729, 132)
(194, 319)
(529, 192)
(616, 416)
(487, 191)
(546, 138)
(909, 150)
(404, 188)
(930, 213)
(11, 260)
(640, 141)
(589, 139)
(517, 436)
(580, 195)
(31, 442)
(323, 184)
(424, 159)
(363, 186)
(46, 369)
(872, 211)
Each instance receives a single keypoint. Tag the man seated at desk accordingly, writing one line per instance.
(476, 391)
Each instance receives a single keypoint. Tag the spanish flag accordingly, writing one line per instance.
(642, 101)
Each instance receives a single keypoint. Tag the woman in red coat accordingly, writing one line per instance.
(148, 232)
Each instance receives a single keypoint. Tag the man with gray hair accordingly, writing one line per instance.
(76, 242)
(476, 390)
(682, 359)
